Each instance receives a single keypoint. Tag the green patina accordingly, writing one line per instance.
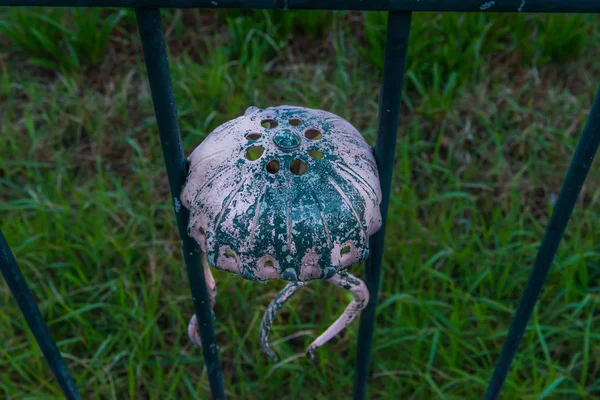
(276, 304)
(287, 139)
(296, 213)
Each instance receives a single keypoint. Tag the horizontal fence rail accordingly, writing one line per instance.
(535, 6)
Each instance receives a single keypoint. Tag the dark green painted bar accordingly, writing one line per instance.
(578, 170)
(31, 312)
(545, 6)
(396, 47)
(157, 64)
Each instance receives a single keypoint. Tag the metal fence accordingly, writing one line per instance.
(397, 41)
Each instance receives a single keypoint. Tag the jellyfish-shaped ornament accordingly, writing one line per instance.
(284, 193)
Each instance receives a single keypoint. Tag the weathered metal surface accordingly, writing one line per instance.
(305, 219)
(361, 297)
(342, 279)
(279, 301)
(286, 193)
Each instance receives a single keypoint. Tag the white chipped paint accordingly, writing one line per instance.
(486, 5)
(177, 204)
(267, 271)
(309, 269)
(361, 299)
(211, 287)
(346, 259)
(193, 331)
(229, 263)
(221, 191)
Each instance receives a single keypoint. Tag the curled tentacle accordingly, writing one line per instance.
(265, 326)
(211, 287)
(361, 298)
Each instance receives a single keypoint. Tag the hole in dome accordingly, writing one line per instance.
(316, 154)
(298, 167)
(229, 253)
(254, 153)
(253, 136)
(345, 250)
(273, 166)
(269, 263)
(268, 123)
(313, 134)
(295, 121)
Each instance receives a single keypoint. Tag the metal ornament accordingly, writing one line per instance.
(286, 193)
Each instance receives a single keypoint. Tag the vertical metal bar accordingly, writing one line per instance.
(157, 64)
(396, 46)
(22, 294)
(580, 165)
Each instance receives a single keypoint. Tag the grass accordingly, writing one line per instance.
(61, 40)
(494, 105)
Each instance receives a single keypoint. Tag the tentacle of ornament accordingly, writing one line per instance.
(361, 297)
(211, 287)
(265, 326)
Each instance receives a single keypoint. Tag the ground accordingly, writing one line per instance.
(493, 107)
